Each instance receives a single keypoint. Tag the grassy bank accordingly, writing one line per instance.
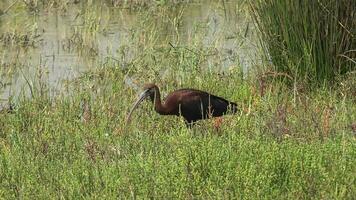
(280, 146)
(286, 142)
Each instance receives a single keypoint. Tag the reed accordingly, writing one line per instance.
(313, 40)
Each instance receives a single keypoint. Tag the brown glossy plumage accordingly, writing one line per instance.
(192, 104)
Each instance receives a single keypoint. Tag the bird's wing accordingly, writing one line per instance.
(221, 100)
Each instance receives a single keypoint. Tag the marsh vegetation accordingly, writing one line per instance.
(71, 70)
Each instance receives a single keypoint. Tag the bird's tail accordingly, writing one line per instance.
(233, 107)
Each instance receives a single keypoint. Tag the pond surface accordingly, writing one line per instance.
(60, 44)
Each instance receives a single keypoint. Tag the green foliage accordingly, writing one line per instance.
(313, 40)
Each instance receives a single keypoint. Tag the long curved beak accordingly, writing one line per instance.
(142, 97)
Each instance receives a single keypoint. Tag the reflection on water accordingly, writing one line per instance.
(65, 46)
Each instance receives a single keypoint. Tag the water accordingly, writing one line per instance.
(55, 56)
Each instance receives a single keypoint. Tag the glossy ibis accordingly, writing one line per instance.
(192, 104)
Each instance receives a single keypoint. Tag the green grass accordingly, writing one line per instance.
(286, 143)
(277, 149)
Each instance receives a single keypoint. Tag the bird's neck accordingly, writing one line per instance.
(159, 107)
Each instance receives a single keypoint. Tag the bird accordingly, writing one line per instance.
(191, 104)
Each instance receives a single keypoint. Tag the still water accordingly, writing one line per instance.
(67, 42)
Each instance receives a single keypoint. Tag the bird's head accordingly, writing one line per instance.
(149, 90)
